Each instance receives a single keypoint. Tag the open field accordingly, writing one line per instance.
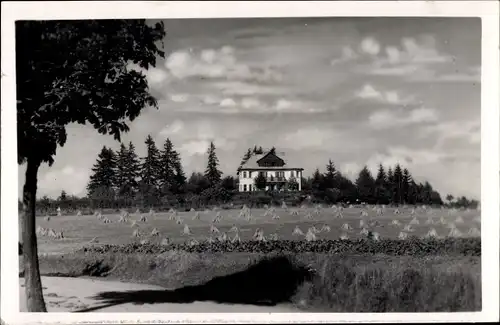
(340, 282)
(81, 230)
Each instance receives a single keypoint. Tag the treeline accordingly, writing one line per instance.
(123, 179)
(392, 186)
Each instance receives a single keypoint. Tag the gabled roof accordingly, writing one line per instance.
(269, 153)
(252, 163)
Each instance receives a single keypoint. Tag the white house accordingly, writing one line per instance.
(276, 170)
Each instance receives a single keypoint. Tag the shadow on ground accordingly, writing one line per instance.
(267, 283)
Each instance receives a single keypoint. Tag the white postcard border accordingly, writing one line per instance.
(490, 120)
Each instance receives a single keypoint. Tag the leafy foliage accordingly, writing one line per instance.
(293, 185)
(77, 72)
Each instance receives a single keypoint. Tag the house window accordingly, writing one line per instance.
(244, 174)
(244, 187)
(249, 174)
(291, 174)
(250, 187)
(280, 174)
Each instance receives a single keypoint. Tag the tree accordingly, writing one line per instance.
(197, 183)
(258, 150)
(413, 193)
(390, 186)
(365, 185)
(260, 181)
(272, 151)
(104, 172)
(292, 184)
(180, 176)
(398, 184)
(74, 71)
(348, 191)
(405, 186)
(246, 157)
(331, 175)
(381, 186)
(229, 183)
(317, 182)
(167, 169)
(121, 166)
(63, 196)
(212, 173)
(151, 167)
(127, 172)
(449, 198)
(132, 170)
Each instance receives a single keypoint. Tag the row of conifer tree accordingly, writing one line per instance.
(124, 174)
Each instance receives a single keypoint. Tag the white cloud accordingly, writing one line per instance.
(348, 54)
(210, 100)
(472, 75)
(411, 59)
(239, 88)
(176, 127)
(422, 115)
(220, 64)
(399, 70)
(306, 138)
(179, 98)
(154, 76)
(393, 54)
(391, 97)
(208, 55)
(252, 105)
(283, 105)
(351, 170)
(370, 46)
(425, 52)
(469, 131)
(196, 147)
(389, 119)
(227, 102)
(200, 147)
(369, 92)
(250, 102)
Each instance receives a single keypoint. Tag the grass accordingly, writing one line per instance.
(352, 283)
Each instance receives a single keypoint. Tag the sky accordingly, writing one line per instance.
(359, 91)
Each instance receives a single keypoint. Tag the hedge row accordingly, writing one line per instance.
(413, 247)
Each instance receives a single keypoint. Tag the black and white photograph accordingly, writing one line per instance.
(251, 164)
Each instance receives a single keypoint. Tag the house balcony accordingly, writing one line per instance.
(276, 179)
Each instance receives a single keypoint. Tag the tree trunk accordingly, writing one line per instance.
(33, 284)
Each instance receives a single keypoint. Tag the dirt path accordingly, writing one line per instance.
(77, 294)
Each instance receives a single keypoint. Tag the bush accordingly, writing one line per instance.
(412, 247)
